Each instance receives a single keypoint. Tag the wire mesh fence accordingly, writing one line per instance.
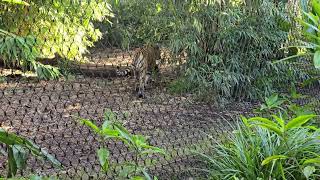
(47, 111)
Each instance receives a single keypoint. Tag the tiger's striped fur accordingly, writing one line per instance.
(144, 64)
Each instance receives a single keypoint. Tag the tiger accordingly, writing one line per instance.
(144, 65)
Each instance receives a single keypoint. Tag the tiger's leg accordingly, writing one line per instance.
(148, 79)
(142, 80)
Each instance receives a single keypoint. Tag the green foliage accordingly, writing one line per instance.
(112, 129)
(310, 30)
(262, 148)
(16, 2)
(63, 27)
(17, 149)
(137, 22)
(272, 102)
(18, 51)
(286, 107)
(21, 52)
(230, 49)
(45, 28)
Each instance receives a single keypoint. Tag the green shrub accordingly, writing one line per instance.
(62, 27)
(261, 148)
(231, 49)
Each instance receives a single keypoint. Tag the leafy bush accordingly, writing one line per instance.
(63, 27)
(268, 149)
(17, 152)
(230, 48)
(21, 52)
(112, 129)
(16, 51)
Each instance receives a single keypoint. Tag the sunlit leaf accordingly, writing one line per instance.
(299, 121)
(312, 161)
(16, 2)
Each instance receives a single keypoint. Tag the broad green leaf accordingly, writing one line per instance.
(272, 158)
(110, 133)
(312, 161)
(299, 121)
(308, 171)
(316, 59)
(271, 128)
(20, 156)
(103, 156)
